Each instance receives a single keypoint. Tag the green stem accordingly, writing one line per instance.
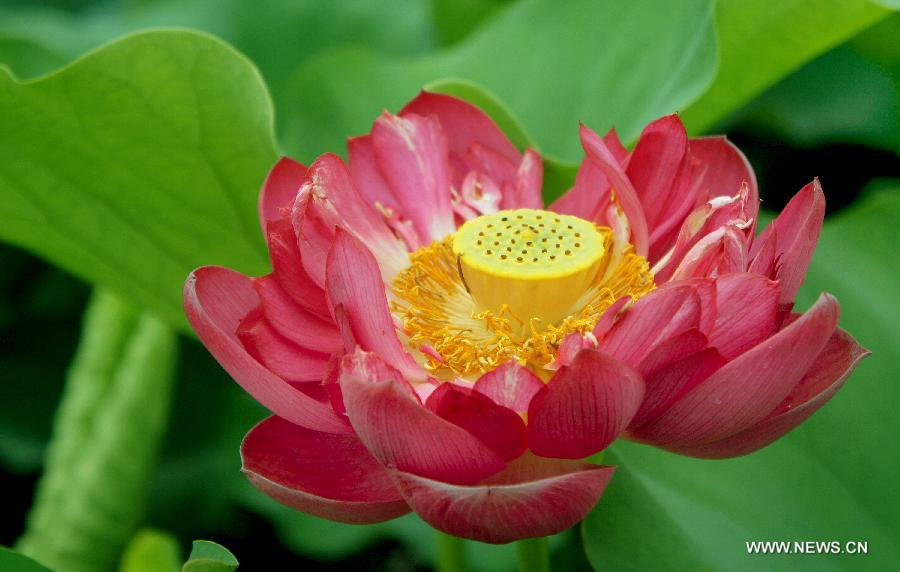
(451, 553)
(533, 555)
(106, 434)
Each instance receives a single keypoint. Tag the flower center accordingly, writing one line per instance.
(511, 286)
(534, 263)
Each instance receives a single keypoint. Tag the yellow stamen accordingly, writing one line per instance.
(477, 310)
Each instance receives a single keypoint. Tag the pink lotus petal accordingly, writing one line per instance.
(590, 197)
(597, 152)
(532, 498)
(569, 349)
(584, 407)
(293, 321)
(288, 268)
(279, 355)
(366, 176)
(655, 164)
(510, 385)
(216, 299)
(611, 315)
(765, 258)
(323, 474)
(314, 235)
(411, 152)
(615, 146)
(354, 284)
(279, 190)
(335, 201)
(797, 229)
(463, 124)
(661, 314)
(485, 160)
(827, 375)
(499, 428)
(720, 252)
(704, 228)
(671, 350)
(666, 384)
(526, 192)
(727, 169)
(747, 312)
(403, 434)
(748, 388)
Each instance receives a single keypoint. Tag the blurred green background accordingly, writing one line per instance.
(128, 168)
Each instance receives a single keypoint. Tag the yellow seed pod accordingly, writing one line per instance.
(537, 263)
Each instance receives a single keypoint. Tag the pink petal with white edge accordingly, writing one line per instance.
(499, 428)
(288, 270)
(598, 153)
(402, 433)
(827, 375)
(510, 385)
(584, 407)
(216, 299)
(722, 251)
(727, 169)
(411, 152)
(797, 229)
(323, 474)
(532, 498)
(336, 202)
(526, 192)
(354, 284)
(279, 190)
(748, 388)
(282, 357)
(295, 322)
(747, 312)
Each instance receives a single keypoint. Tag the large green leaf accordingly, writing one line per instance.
(834, 478)
(603, 62)
(11, 561)
(278, 37)
(761, 42)
(793, 111)
(138, 163)
(866, 69)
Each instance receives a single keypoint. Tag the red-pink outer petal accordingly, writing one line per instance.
(354, 284)
(323, 474)
(215, 301)
(402, 433)
(510, 385)
(531, 499)
(749, 387)
(279, 190)
(584, 407)
(832, 368)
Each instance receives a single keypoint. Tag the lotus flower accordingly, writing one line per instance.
(432, 338)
